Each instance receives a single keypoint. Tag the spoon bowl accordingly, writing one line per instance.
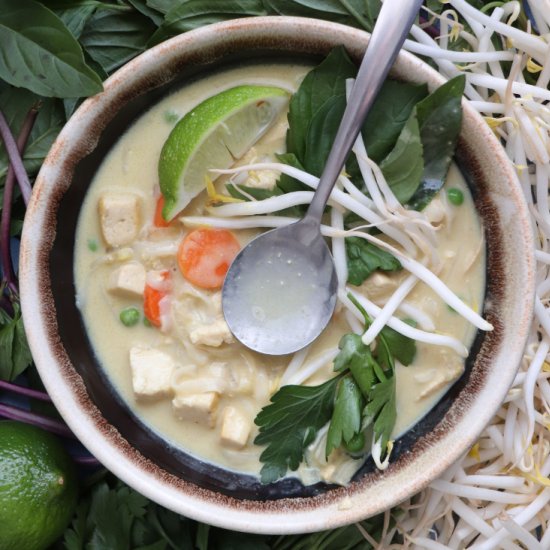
(280, 292)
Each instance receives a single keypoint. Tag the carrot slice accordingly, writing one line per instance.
(151, 302)
(158, 220)
(205, 254)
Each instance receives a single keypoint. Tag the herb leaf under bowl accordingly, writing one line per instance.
(39, 53)
(356, 13)
(14, 350)
(187, 15)
(112, 38)
(15, 104)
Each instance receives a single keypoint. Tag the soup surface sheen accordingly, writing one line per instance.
(203, 359)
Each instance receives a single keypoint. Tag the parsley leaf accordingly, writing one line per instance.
(401, 347)
(364, 258)
(381, 410)
(114, 513)
(290, 423)
(356, 357)
(346, 418)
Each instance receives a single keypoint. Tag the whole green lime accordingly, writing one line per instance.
(38, 487)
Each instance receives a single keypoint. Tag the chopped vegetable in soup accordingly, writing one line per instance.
(409, 258)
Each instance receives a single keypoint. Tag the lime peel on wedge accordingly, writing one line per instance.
(214, 134)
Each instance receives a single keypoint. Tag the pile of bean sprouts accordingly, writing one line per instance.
(498, 494)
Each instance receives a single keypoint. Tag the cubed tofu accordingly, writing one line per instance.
(235, 428)
(214, 334)
(151, 371)
(200, 408)
(262, 179)
(435, 212)
(119, 218)
(128, 280)
(379, 285)
(441, 377)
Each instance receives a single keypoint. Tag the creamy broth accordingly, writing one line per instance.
(245, 380)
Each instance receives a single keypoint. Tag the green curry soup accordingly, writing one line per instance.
(188, 379)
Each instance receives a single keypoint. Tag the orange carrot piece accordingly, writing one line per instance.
(158, 220)
(151, 302)
(205, 254)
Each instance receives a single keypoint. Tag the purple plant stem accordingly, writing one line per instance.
(431, 30)
(15, 159)
(86, 460)
(5, 251)
(49, 424)
(21, 390)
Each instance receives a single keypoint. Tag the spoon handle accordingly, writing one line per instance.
(393, 24)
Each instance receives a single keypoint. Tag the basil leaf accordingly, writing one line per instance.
(187, 15)
(142, 6)
(14, 349)
(356, 13)
(38, 52)
(346, 418)
(381, 410)
(290, 423)
(113, 38)
(320, 85)
(15, 103)
(364, 258)
(404, 166)
(440, 120)
(321, 133)
(162, 6)
(389, 114)
(74, 14)
(255, 192)
(262, 194)
(288, 184)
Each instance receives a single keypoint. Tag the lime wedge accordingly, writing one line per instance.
(214, 134)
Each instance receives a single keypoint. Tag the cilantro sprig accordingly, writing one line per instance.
(360, 396)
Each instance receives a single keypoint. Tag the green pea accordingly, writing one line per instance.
(146, 322)
(129, 316)
(356, 443)
(456, 196)
(92, 245)
(171, 116)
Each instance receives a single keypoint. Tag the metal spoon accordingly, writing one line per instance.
(280, 291)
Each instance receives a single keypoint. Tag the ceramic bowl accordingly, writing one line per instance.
(104, 423)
